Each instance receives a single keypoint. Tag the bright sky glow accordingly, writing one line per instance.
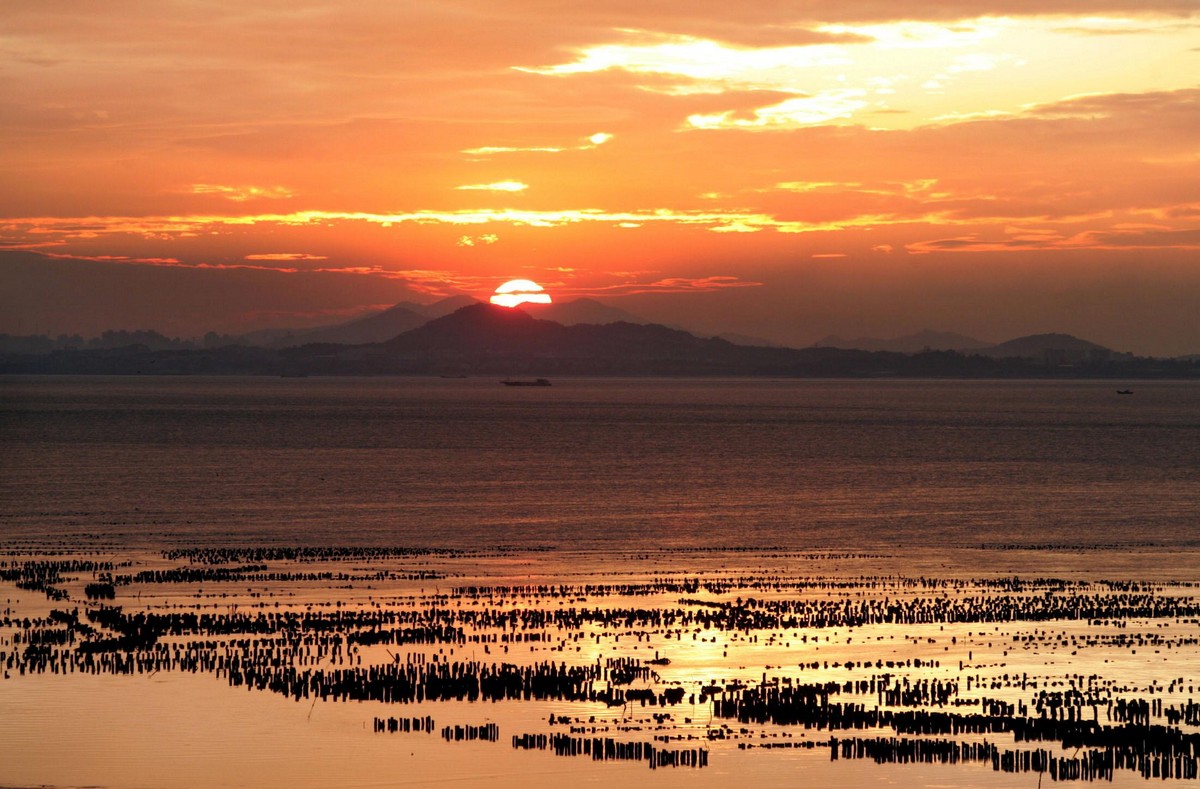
(957, 156)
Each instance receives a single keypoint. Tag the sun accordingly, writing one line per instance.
(520, 291)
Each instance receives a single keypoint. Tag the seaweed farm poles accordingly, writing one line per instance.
(488, 732)
(394, 725)
(602, 749)
(1093, 764)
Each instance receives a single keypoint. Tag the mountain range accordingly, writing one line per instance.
(373, 327)
(482, 339)
(584, 310)
(382, 325)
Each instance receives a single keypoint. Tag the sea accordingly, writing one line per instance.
(600, 462)
(228, 581)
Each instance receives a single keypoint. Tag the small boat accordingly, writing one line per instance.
(1124, 391)
(535, 382)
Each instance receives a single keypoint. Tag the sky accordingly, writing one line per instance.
(786, 170)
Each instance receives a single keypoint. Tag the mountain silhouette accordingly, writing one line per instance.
(484, 339)
(373, 328)
(748, 339)
(926, 339)
(440, 308)
(1052, 348)
(583, 310)
(488, 332)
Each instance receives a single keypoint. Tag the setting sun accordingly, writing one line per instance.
(520, 291)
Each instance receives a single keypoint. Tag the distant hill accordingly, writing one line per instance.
(109, 340)
(370, 328)
(262, 338)
(584, 310)
(489, 335)
(440, 308)
(482, 339)
(746, 339)
(1048, 349)
(373, 328)
(909, 343)
(588, 310)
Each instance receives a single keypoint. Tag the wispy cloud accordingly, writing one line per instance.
(286, 256)
(592, 141)
(497, 186)
(1095, 240)
(166, 226)
(794, 113)
(470, 241)
(242, 194)
(149, 261)
(676, 285)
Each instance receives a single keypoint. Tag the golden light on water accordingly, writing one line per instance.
(520, 291)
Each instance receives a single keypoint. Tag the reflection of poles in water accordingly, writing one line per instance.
(317, 696)
(336, 636)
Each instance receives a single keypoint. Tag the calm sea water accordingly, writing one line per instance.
(596, 462)
(903, 480)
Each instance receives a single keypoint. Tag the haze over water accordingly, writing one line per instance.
(588, 462)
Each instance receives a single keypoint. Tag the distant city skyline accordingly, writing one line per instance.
(995, 168)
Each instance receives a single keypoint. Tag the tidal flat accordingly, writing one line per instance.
(279, 665)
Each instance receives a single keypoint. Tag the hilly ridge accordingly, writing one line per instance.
(484, 340)
(926, 339)
(373, 327)
(490, 337)
(1038, 345)
(582, 310)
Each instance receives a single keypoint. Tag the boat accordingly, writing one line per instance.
(1124, 391)
(535, 382)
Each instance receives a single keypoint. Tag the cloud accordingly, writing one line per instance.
(113, 259)
(686, 56)
(790, 114)
(1161, 104)
(591, 141)
(286, 256)
(241, 194)
(1095, 240)
(666, 285)
(470, 241)
(498, 186)
(166, 262)
(1123, 26)
(150, 226)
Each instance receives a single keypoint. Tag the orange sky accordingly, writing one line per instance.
(787, 170)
